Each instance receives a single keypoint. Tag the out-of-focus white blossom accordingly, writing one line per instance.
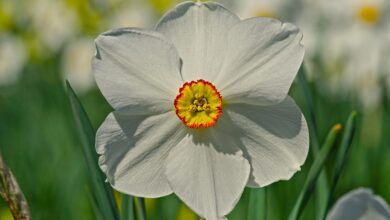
(351, 40)
(263, 8)
(132, 15)
(12, 59)
(53, 22)
(76, 64)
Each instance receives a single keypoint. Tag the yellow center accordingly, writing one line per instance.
(369, 14)
(198, 104)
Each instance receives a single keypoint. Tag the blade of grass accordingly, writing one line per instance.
(102, 191)
(311, 120)
(257, 209)
(322, 190)
(140, 208)
(95, 208)
(346, 142)
(127, 211)
(314, 172)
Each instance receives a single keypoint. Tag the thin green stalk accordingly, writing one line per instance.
(346, 142)
(314, 172)
(140, 208)
(127, 210)
(257, 209)
(322, 190)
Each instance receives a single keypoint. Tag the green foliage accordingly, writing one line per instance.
(103, 193)
(342, 154)
(257, 204)
(314, 172)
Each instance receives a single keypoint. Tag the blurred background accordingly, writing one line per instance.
(44, 42)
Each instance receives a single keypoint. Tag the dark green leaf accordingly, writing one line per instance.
(322, 189)
(127, 212)
(140, 208)
(341, 157)
(102, 190)
(257, 209)
(314, 172)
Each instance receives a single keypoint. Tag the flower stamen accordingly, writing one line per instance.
(198, 104)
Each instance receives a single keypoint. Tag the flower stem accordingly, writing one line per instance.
(12, 194)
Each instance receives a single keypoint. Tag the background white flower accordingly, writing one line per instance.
(76, 64)
(131, 16)
(360, 204)
(52, 21)
(260, 138)
(352, 41)
(12, 58)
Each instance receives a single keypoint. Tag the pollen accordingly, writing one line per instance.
(198, 104)
(369, 14)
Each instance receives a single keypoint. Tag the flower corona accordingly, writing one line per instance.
(198, 104)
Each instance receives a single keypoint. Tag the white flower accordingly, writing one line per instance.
(279, 9)
(263, 8)
(201, 106)
(132, 15)
(12, 59)
(360, 204)
(76, 64)
(353, 43)
(53, 22)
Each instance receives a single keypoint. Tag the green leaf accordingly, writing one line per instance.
(140, 208)
(322, 189)
(257, 209)
(314, 172)
(127, 211)
(102, 190)
(346, 142)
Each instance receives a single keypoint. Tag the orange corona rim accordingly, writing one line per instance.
(198, 104)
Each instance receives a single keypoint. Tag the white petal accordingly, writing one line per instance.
(205, 176)
(198, 31)
(133, 151)
(263, 57)
(360, 204)
(274, 139)
(137, 69)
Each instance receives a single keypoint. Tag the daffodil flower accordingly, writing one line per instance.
(201, 106)
(360, 204)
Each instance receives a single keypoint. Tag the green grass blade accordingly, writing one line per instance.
(322, 189)
(102, 191)
(95, 208)
(127, 211)
(346, 142)
(314, 172)
(311, 120)
(140, 208)
(257, 209)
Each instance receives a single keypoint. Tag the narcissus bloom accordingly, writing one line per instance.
(201, 106)
(351, 39)
(360, 204)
